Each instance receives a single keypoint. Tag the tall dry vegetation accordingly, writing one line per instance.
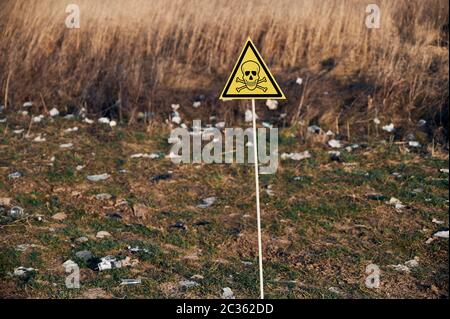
(150, 54)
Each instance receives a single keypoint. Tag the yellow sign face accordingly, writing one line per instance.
(251, 78)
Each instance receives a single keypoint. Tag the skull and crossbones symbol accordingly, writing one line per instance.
(251, 79)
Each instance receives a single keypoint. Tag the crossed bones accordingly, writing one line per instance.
(239, 89)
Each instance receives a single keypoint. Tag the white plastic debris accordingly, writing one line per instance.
(16, 212)
(98, 178)
(220, 125)
(422, 122)
(88, 121)
(175, 107)
(389, 128)
(39, 139)
(296, 156)
(71, 130)
(207, 202)
(79, 167)
(38, 119)
(444, 170)
(249, 116)
(272, 104)
(377, 121)
(69, 117)
(25, 247)
(103, 196)
(111, 262)
(227, 293)
(28, 104)
(437, 222)
(15, 175)
(441, 234)
(176, 118)
(150, 156)
(3, 120)
(334, 143)
(413, 263)
(299, 81)
(197, 104)
(65, 146)
(113, 123)
(396, 203)
(186, 284)
(103, 234)
(414, 144)
(129, 282)
(23, 271)
(17, 132)
(104, 120)
(269, 191)
(267, 125)
(54, 112)
(314, 129)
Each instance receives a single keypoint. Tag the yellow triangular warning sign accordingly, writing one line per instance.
(251, 78)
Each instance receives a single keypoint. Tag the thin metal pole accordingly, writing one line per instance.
(258, 207)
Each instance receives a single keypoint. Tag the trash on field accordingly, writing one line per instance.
(186, 284)
(412, 263)
(54, 112)
(3, 120)
(444, 170)
(441, 234)
(113, 123)
(25, 247)
(98, 178)
(269, 190)
(249, 116)
(161, 177)
(175, 107)
(15, 175)
(103, 234)
(176, 118)
(421, 123)
(299, 81)
(71, 130)
(272, 104)
(197, 104)
(314, 129)
(137, 249)
(65, 146)
(69, 117)
(227, 293)
(103, 196)
(267, 125)
(70, 264)
(396, 203)
(150, 156)
(104, 120)
(27, 104)
(414, 144)
(207, 202)
(334, 143)
(220, 125)
(79, 167)
(335, 156)
(39, 139)
(23, 272)
(16, 212)
(88, 121)
(389, 128)
(38, 119)
(111, 262)
(296, 156)
(178, 225)
(129, 282)
(17, 132)
(377, 121)
(437, 222)
(85, 255)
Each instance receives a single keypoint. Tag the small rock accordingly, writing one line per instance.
(5, 201)
(103, 234)
(412, 263)
(103, 196)
(85, 255)
(227, 293)
(441, 234)
(82, 239)
(186, 284)
(207, 202)
(98, 178)
(54, 112)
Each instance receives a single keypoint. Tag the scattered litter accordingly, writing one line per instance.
(129, 282)
(437, 222)
(175, 107)
(25, 247)
(299, 81)
(418, 190)
(335, 290)
(111, 262)
(85, 255)
(28, 104)
(16, 212)
(413, 262)
(396, 203)
(17, 132)
(421, 123)
(54, 112)
(79, 167)
(296, 156)
(59, 217)
(267, 125)
(88, 121)
(3, 120)
(401, 268)
(137, 249)
(39, 139)
(197, 104)
(65, 146)
(103, 196)
(314, 129)
(70, 130)
(227, 293)
(178, 225)
(207, 202)
(15, 175)
(23, 272)
(430, 240)
(38, 119)
(98, 178)
(441, 234)
(334, 143)
(186, 284)
(247, 263)
(150, 156)
(414, 144)
(335, 156)
(269, 191)
(104, 120)
(176, 118)
(444, 170)
(161, 177)
(377, 121)
(69, 116)
(272, 104)
(197, 277)
(249, 116)
(103, 234)
(23, 113)
(113, 123)
(329, 133)
(389, 128)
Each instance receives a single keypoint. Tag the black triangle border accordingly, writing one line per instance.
(225, 94)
